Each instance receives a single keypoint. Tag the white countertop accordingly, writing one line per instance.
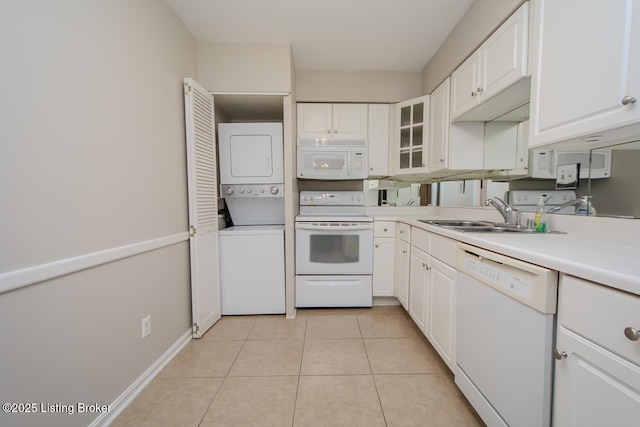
(592, 257)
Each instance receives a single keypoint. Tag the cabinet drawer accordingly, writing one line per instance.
(384, 229)
(404, 232)
(600, 314)
(444, 249)
(421, 239)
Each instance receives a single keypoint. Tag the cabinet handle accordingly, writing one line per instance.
(631, 333)
(479, 90)
(559, 355)
(628, 100)
(473, 93)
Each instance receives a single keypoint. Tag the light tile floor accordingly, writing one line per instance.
(328, 367)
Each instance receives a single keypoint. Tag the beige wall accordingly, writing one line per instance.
(245, 67)
(482, 17)
(357, 86)
(92, 158)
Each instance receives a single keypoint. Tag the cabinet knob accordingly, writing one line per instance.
(377, 245)
(474, 93)
(479, 90)
(370, 169)
(628, 100)
(328, 130)
(559, 355)
(385, 230)
(404, 251)
(632, 333)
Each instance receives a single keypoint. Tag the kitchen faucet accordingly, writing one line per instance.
(505, 210)
(586, 200)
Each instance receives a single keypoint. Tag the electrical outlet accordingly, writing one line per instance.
(146, 326)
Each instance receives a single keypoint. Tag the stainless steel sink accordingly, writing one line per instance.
(476, 226)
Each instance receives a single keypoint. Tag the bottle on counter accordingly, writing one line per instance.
(586, 208)
(541, 216)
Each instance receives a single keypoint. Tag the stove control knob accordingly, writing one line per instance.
(274, 190)
(229, 191)
(242, 191)
(261, 190)
(249, 190)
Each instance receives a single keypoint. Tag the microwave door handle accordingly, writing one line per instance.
(305, 226)
(552, 162)
(349, 162)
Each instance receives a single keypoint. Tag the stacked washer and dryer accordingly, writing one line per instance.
(252, 274)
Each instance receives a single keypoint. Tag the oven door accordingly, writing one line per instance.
(334, 248)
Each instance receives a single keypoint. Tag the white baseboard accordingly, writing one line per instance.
(122, 401)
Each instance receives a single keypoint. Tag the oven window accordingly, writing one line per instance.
(334, 249)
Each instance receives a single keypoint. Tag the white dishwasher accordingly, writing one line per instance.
(505, 336)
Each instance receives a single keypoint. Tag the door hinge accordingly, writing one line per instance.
(196, 328)
(192, 233)
(187, 88)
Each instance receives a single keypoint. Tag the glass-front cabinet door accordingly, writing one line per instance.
(412, 131)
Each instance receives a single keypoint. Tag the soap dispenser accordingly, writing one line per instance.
(586, 208)
(541, 216)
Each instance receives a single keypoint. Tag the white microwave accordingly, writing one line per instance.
(333, 162)
(593, 163)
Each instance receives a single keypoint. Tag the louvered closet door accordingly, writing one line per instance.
(203, 207)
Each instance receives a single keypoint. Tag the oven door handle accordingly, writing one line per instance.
(306, 226)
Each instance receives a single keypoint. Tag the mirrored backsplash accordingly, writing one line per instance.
(617, 195)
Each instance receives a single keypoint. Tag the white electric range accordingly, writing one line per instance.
(334, 250)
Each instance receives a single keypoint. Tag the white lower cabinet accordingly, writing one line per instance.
(433, 289)
(418, 287)
(441, 308)
(597, 370)
(401, 285)
(383, 259)
(594, 387)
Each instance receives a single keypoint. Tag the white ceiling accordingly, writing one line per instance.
(345, 35)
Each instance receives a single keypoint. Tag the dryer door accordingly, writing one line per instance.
(251, 153)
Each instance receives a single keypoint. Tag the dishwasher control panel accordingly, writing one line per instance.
(530, 284)
(508, 280)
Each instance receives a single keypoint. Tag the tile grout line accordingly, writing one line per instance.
(373, 378)
(304, 342)
(226, 375)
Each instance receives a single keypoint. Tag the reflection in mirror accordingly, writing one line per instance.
(463, 193)
(619, 195)
(392, 193)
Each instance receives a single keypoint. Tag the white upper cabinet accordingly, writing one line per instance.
(451, 146)
(379, 139)
(412, 132)
(340, 121)
(498, 64)
(585, 74)
(439, 127)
